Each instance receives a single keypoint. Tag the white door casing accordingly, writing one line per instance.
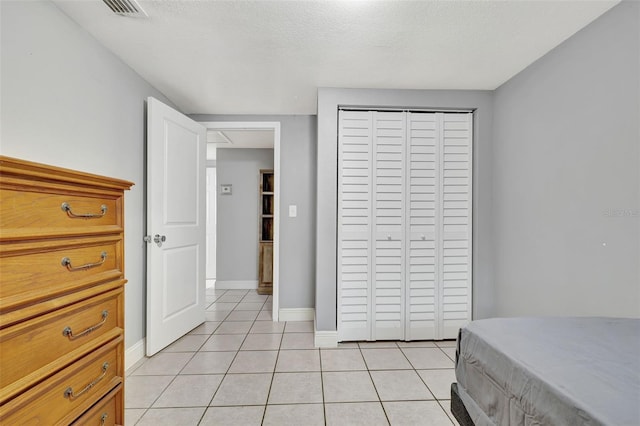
(211, 223)
(275, 126)
(176, 194)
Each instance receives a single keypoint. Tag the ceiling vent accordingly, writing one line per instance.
(126, 8)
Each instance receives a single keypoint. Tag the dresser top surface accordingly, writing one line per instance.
(13, 167)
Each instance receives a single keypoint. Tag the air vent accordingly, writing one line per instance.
(126, 8)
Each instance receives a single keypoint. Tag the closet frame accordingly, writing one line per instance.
(446, 323)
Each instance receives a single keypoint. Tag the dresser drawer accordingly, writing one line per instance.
(107, 412)
(49, 342)
(66, 395)
(44, 212)
(33, 274)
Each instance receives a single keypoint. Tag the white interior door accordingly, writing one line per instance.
(455, 230)
(176, 194)
(423, 150)
(388, 303)
(354, 223)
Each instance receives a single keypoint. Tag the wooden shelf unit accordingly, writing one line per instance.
(267, 208)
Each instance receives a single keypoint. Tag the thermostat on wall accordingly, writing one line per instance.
(225, 189)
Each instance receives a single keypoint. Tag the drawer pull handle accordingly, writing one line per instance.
(68, 393)
(69, 333)
(66, 262)
(66, 207)
(103, 419)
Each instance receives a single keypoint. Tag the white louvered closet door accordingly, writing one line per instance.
(423, 151)
(455, 232)
(389, 139)
(404, 225)
(354, 225)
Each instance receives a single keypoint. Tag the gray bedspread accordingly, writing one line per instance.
(550, 371)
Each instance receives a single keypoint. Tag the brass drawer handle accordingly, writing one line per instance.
(69, 333)
(68, 393)
(66, 207)
(66, 262)
(103, 419)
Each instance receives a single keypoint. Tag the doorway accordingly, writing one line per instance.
(223, 128)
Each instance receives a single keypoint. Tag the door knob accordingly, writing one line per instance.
(159, 239)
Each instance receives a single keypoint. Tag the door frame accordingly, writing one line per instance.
(263, 125)
(211, 164)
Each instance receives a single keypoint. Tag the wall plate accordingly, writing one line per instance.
(225, 189)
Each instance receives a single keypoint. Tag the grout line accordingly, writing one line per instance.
(418, 374)
(324, 405)
(374, 384)
(264, 414)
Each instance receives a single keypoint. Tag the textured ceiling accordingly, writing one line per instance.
(269, 57)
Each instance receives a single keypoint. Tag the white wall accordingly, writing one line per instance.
(567, 176)
(68, 102)
(237, 214)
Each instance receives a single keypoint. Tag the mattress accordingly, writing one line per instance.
(550, 371)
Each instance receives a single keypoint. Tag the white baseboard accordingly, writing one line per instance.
(236, 285)
(134, 354)
(296, 314)
(325, 339)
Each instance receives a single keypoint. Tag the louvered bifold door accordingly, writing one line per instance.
(389, 137)
(354, 225)
(455, 230)
(423, 150)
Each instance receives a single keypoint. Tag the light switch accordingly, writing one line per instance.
(293, 210)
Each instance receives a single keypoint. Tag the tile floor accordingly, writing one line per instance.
(241, 368)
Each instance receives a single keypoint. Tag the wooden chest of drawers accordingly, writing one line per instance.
(61, 296)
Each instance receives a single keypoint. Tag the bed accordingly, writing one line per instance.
(548, 371)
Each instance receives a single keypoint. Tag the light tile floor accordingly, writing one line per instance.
(241, 368)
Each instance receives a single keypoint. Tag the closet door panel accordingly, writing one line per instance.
(354, 222)
(455, 258)
(404, 225)
(388, 211)
(421, 236)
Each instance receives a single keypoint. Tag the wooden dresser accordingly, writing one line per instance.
(61, 296)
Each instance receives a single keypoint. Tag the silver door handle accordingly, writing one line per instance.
(159, 239)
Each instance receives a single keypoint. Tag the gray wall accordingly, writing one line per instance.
(297, 186)
(328, 101)
(237, 230)
(69, 102)
(566, 157)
